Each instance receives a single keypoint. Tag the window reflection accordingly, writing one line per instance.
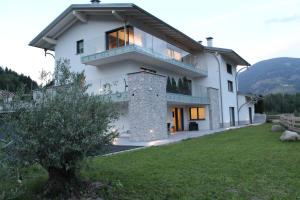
(116, 38)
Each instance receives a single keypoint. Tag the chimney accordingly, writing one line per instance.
(209, 41)
(95, 1)
(200, 42)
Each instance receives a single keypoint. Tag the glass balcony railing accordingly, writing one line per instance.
(121, 41)
(173, 98)
(117, 90)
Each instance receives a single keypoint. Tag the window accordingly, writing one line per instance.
(116, 38)
(229, 68)
(197, 113)
(174, 54)
(79, 47)
(230, 86)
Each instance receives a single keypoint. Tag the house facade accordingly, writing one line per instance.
(161, 80)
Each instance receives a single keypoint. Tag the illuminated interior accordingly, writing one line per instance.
(116, 38)
(197, 113)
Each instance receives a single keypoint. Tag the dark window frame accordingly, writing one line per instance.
(230, 86)
(198, 119)
(117, 31)
(78, 49)
(229, 66)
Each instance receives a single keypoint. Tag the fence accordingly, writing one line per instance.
(291, 122)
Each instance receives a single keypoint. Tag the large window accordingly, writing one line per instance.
(230, 86)
(197, 113)
(229, 68)
(116, 38)
(132, 35)
(79, 47)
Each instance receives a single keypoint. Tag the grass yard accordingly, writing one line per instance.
(248, 163)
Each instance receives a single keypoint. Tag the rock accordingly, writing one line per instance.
(289, 136)
(276, 128)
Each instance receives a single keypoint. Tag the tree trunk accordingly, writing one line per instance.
(62, 182)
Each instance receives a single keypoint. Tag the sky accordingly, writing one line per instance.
(255, 29)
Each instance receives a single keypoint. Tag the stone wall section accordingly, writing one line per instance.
(214, 108)
(147, 106)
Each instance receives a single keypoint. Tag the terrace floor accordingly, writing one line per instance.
(178, 136)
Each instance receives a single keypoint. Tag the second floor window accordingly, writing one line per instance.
(230, 86)
(229, 68)
(118, 37)
(79, 47)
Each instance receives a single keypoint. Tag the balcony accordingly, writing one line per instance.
(116, 89)
(131, 43)
(143, 55)
(181, 99)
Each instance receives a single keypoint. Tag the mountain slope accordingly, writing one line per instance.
(12, 81)
(276, 75)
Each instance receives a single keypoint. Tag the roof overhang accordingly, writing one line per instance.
(127, 12)
(229, 54)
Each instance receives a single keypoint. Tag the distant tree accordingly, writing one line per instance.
(281, 103)
(174, 86)
(180, 86)
(169, 85)
(186, 86)
(58, 130)
(12, 81)
(259, 106)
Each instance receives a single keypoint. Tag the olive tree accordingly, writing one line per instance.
(58, 129)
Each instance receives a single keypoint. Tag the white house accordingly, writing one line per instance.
(162, 80)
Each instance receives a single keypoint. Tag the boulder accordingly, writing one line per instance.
(289, 136)
(276, 128)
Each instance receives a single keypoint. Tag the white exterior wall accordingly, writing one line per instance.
(229, 98)
(212, 80)
(93, 34)
(244, 111)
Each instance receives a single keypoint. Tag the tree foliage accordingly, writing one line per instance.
(12, 81)
(282, 103)
(57, 130)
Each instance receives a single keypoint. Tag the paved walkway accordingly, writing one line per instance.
(173, 138)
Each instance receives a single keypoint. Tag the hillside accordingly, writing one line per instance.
(278, 75)
(11, 81)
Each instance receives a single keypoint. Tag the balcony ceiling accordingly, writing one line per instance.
(141, 55)
(130, 12)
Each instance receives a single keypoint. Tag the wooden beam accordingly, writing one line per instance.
(81, 17)
(117, 15)
(50, 40)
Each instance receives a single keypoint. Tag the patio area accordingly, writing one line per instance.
(179, 136)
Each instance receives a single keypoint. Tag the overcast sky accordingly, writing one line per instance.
(255, 29)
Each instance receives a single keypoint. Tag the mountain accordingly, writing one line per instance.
(277, 75)
(12, 81)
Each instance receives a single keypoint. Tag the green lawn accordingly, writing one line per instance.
(248, 163)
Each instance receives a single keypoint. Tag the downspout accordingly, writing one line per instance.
(215, 55)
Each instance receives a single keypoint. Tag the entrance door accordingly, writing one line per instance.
(232, 118)
(250, 115)
(177, 119)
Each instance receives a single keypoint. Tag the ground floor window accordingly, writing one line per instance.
(197, 113)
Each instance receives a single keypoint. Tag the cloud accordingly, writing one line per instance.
(293, 18)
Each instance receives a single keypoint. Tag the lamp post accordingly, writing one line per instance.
(236, 89)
